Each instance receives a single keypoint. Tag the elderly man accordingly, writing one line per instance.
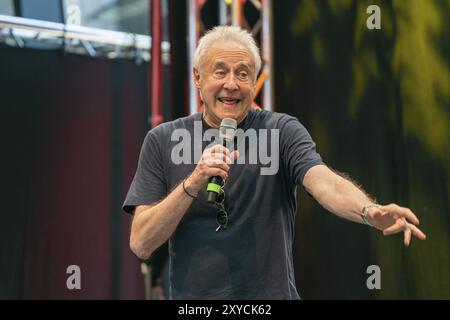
(250, 256)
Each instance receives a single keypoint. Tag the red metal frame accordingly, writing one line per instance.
(156, 65)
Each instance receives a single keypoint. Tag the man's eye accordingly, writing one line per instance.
(220, 73)
(243, 75)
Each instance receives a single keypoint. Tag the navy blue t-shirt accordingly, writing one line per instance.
(252, 257)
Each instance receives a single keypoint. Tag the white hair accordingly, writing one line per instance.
(224, 33)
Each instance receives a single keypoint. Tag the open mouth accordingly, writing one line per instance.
(229, 101)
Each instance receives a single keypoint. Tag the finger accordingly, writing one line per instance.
(417, 232)
(222, 157)
(407, 237)
(207, 154)
(217, 163)
(398, 226)
(375, 213)
(408, 214)
(234, 155)
(219, 158)
(218, 172)
(219, 149)
(402, 212)
(228, 160)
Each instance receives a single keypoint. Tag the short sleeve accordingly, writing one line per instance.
(149, 184)
(298, 150)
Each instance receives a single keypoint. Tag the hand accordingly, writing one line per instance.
(215, 161)
(392, 219)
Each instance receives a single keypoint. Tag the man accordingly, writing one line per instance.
(251, 256)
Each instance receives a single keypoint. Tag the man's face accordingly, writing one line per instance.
(226, 82)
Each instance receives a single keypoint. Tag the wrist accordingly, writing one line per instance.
(190, 188)
(366, 208)
(365, 218)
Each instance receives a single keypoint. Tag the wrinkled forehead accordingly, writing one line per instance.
(229, 54)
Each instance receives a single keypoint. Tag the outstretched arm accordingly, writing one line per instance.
(343, 198)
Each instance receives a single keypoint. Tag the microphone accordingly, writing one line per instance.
(227, 130)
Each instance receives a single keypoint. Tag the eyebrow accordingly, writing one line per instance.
(222, 64)
(243, 65)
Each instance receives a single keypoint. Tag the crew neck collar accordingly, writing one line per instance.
(244, 125)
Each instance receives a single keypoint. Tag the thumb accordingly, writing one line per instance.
(234, 155)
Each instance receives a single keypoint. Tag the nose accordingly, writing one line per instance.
(230, 83)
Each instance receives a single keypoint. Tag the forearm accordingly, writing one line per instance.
(154, 226)
(344, 198)
(338, 195)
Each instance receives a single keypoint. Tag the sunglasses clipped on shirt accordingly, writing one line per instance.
(222, 215)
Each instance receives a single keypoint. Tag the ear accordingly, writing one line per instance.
(197, 81)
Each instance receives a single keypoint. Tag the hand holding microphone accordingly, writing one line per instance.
(214, 165)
